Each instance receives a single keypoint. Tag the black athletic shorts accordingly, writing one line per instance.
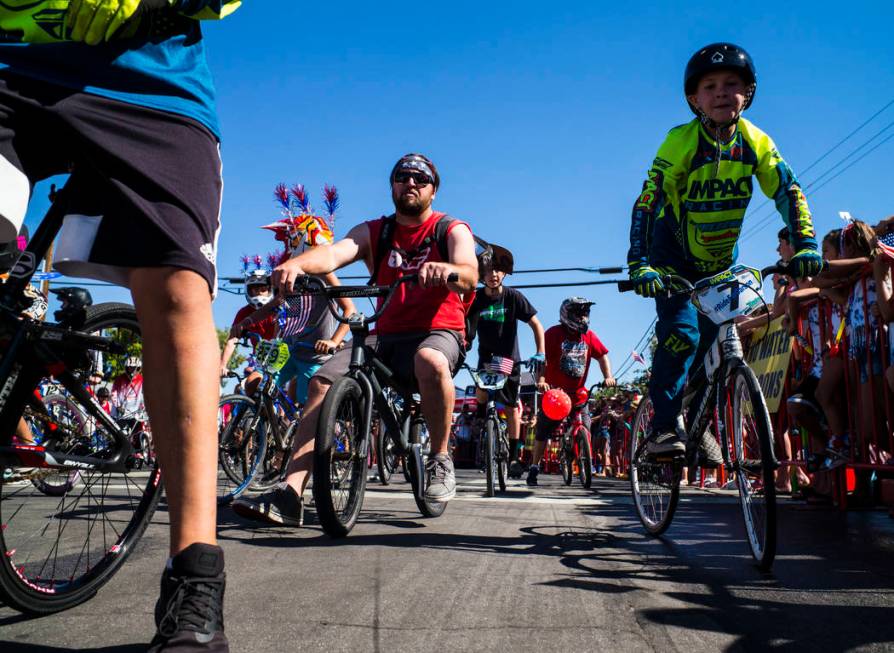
(146, 183)
(398, 353)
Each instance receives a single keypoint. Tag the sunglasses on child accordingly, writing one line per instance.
(420, 178)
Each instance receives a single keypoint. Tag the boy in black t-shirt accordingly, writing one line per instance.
(494, 318)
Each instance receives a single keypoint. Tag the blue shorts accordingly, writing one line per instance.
(301, 371)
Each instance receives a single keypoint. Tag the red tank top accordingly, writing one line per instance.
(413, 308)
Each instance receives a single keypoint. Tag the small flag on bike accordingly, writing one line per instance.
(637, 357)
(294, 315)
(886, 244)
(501, 365)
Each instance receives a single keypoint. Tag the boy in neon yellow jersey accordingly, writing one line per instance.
(688, 218)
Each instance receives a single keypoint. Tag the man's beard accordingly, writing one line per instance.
(410, 205)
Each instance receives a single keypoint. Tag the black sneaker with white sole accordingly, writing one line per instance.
(189, 610)
(281, 506)
(667, 443)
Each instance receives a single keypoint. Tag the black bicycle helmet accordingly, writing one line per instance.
(501, 259)
(73, 297)
(719, 56)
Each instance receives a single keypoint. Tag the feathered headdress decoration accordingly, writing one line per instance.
(299, 227)
(253, 267)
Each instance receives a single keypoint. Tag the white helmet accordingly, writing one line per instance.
(258, 278)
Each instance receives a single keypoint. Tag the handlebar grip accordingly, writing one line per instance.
(625, 286)
(453, 277)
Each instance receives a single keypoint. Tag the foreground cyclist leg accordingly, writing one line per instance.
(435, 377)
(179, 346)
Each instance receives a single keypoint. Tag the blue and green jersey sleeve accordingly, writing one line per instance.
(157, 61)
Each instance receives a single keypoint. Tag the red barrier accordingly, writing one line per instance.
(868, 404)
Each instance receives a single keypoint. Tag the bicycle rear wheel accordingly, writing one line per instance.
(386, 459)
(754, 464)
(585, 460)
(340, 458)
(60, 550)
(241, 445)
(655, 485)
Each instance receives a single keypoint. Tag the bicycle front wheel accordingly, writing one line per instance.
(566, 462)
(241, 445)
(340, 458)
(59, 550)
(655, 485)
(754, 464)
(490, 463)
(585, 461)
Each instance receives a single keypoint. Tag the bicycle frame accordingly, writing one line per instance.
(34, 350)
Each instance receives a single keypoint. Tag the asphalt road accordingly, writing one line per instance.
(554, 569)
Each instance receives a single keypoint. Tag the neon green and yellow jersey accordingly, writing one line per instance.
(157, 61)
(689, 214)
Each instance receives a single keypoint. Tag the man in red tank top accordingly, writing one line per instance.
(420, 335)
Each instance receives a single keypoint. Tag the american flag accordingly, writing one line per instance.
(638, 358)
(294, 315)
(501, 365)
(886, 244)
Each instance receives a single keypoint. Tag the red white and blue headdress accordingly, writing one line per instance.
(300, 228)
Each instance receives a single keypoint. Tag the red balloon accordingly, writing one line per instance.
(556, 404)
(582, 396)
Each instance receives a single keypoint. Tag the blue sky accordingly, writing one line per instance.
(542, 118)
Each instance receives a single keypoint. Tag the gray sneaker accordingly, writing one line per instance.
(281, 506)
(440, 481)
(664, 444)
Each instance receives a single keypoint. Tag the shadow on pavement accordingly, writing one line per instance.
(22, 647)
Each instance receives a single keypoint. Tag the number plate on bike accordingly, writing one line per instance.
(272, 355)
(714, 297)
(492, 380)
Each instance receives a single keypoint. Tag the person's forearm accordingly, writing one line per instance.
(318, 260)
(606, 366)
(229, 348)
(843, 267)
(539, 338)
(340, 333)
(468, 278)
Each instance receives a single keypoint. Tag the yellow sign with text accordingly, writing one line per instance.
(769, 358)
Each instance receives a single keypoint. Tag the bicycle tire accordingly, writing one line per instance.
(276, 461)
(77, 565)
(585, 457)
(340, 458)
(754, 478)
(655, 486)
(490, 463)
(566, 462)
(429, 509)
(241, 445)
(502, 460)
(386, 459)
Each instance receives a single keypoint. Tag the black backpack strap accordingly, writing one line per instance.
(383, 244)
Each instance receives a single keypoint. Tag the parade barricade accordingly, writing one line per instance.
(867, 402)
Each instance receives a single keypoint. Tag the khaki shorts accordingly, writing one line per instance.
(398, 353)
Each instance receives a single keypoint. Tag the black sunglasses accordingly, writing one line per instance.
(420, 178)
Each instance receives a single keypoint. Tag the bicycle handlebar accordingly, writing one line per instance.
(310, 285)
(685, 286)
